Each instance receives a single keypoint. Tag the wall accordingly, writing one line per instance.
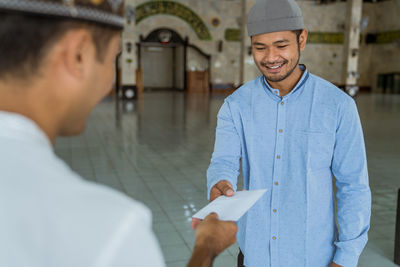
(195, 61)
(179, 65)
(325, 60)
(379, 58)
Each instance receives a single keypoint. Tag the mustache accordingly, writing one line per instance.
(266, 64)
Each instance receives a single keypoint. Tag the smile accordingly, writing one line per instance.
(273, 69)
(275, 66)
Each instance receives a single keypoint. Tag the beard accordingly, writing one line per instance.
(273, 78)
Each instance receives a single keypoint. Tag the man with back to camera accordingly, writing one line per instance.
(57, 62)
(292, 131)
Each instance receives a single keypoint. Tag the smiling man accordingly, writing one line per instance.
(292, 132)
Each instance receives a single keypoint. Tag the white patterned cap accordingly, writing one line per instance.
(108, 12)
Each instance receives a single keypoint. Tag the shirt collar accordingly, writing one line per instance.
(275, 92)
(18, 127)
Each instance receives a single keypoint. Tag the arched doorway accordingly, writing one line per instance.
(168, 62)
(161, 57)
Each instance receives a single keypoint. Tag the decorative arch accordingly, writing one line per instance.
(153, 37)
(152, 8)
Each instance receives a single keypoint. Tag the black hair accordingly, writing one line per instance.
(25, 40)
(298, 33)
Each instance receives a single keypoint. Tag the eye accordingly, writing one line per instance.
(259, 48)
(282, 46)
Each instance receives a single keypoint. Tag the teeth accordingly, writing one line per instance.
(275, 67)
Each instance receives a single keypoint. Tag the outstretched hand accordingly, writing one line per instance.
(222, 188)
(212, 237)
(216, 235)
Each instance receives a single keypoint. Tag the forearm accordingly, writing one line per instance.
(353, 217)
(201, 257)
(353, 220)
(225, 161)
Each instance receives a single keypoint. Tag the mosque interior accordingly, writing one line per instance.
(153, 136)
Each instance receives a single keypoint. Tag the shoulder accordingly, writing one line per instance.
(93, 195)
(245, 92)
(85, 203)
(329, 92)
(52, 185)
(97, 200)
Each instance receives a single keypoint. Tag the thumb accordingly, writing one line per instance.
(226, 189)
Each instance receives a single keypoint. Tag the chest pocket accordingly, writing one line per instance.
(316, 148)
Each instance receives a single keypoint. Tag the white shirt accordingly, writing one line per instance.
(51, 217)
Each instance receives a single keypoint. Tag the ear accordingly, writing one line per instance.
(303, 39)
(76, 55)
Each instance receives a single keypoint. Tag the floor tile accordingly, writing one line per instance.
(173, 253)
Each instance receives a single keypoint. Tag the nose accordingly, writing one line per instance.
(271, 56)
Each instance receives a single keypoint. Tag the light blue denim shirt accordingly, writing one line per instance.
(292, 146)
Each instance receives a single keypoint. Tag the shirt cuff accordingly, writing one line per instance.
(345, 259)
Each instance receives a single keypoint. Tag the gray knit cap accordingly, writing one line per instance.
(274, 16)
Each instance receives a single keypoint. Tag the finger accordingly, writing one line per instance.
(234, 227)
(226, 188)
(233, 230)
(213, 216)
(214, 193)
(195, 223)
(231, 227)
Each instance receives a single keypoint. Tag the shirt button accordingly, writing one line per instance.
(281, 131)
(282, 103)
(278, 157)
(274, 237)
(276, 183)
(274, 210)
(276, 92)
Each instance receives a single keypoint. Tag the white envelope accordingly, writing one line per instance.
(231, 208)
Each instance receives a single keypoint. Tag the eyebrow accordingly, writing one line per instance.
(283, 41)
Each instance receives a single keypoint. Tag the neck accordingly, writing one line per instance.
(288, 84)
(31, 103)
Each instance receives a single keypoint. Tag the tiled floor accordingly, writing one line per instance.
(157, 150)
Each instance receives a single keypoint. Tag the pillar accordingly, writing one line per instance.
(128, 61)
(351, 46)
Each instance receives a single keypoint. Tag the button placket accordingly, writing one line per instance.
(281, 120)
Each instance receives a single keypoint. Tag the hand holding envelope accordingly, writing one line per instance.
(231, 208)
(218, 230)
